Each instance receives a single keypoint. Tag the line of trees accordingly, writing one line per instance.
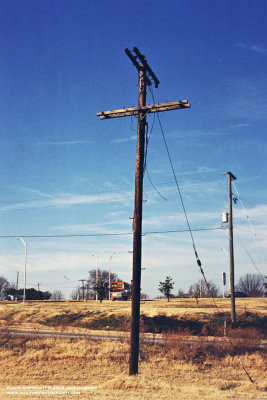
(31, 294)
(205, 289)
(8, 290)
(252, 285)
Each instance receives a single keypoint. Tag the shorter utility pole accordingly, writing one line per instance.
(17, 286)
(82, 280)
(223, 282)
(87, 290)
(231, 246)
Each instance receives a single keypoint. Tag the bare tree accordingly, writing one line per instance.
(76, 294)
(144, 296)
(181, 293)
(57, 295)
(103, 275)
(208, 289)
(4, 286)
(252, 285)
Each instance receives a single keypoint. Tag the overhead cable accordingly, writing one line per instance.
(109, 234)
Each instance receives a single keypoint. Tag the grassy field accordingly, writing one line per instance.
(37, 368)
(157, 316)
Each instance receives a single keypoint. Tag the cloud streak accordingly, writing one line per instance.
(68, 200)
(254, 48)
(63, 143)
(124, 140)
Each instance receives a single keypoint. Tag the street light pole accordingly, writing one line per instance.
(25, 263)
(109, 272)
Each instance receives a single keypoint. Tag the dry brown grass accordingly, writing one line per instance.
(174, 371)
(164, 373)
(36, 312)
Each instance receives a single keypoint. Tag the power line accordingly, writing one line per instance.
(111, 234)
(183, 206)
(247, 230)
(192, 238)
(251, 227)
(178, 189)
(256, 205)
(253, 262)
(164, 198)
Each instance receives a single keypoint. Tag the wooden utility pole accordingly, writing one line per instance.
(82, 280)
(137, 235)
(17, 286)
(145, 76)
(231, 246)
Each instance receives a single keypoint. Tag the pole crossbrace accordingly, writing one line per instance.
(125, 112)
(142, 66)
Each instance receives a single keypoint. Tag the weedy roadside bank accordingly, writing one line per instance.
(99, 370)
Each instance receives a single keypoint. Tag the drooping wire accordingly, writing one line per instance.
(248, 254)
(192, 238)
(178, 188)
(251, 227)
(145, 170)
(154, 187)
(239, 198)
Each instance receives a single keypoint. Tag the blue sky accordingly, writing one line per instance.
(65, 172)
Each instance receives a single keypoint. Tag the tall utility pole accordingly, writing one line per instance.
(137, 235)
(145, 76)
(231, 245)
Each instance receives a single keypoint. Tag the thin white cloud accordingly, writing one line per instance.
(124, 140)
(25, 189)
(67, 200)
(203, 169)
(255, 48)
(240, 125)
(108, 227)
(63, 143)
(163, 254)
(199, 133)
